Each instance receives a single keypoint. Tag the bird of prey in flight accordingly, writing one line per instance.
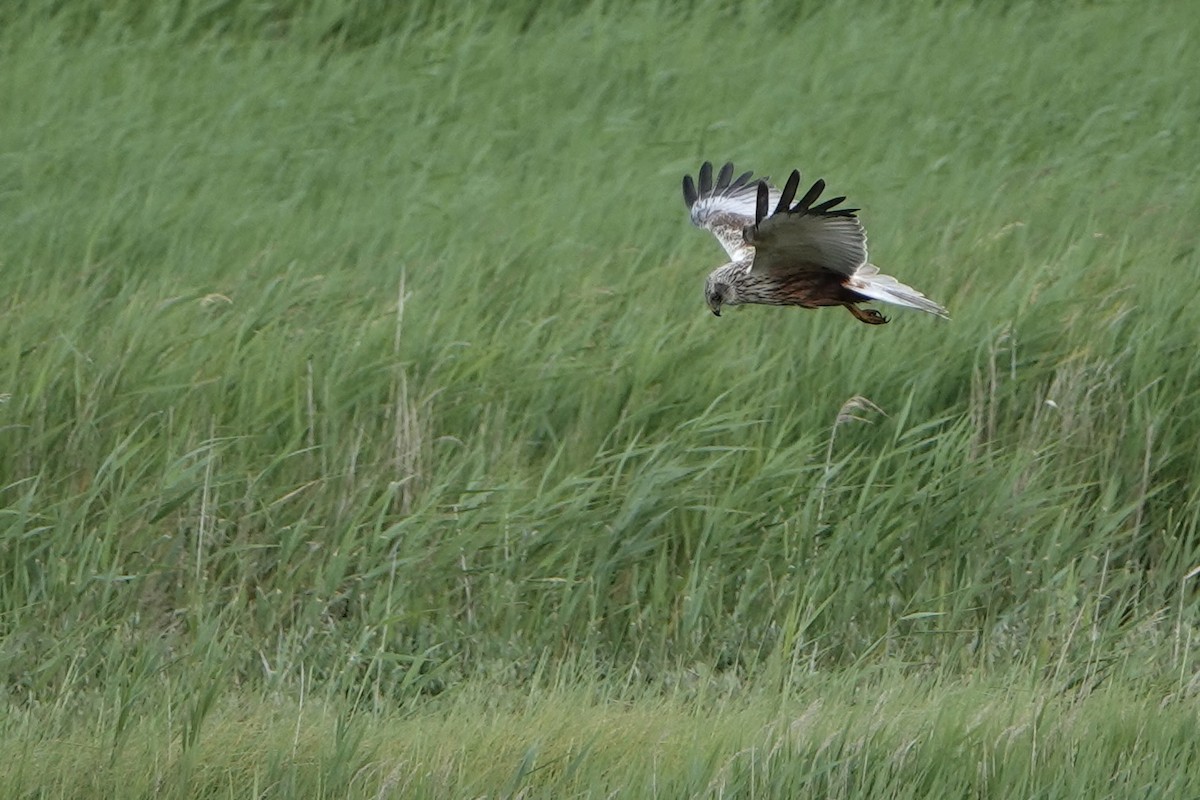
(787, 253)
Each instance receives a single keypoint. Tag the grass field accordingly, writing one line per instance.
(363, 430)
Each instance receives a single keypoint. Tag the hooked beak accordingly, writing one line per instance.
(715, 308)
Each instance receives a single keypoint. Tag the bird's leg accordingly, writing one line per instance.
(867, 315)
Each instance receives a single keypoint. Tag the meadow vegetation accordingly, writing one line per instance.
(363, 431)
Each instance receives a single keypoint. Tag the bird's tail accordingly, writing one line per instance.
(868, 280)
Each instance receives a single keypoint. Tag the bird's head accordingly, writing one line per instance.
(718, 293)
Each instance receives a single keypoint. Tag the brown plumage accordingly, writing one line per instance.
(804, 254)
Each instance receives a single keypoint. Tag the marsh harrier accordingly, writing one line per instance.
(785, 253)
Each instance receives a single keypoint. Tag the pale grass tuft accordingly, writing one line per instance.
(214, 299)
(851, 411)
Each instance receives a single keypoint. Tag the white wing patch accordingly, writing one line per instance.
(726, 207)
(738, 202)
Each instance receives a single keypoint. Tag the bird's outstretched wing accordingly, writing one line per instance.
(800, 238)
(725, 207)
(804, 236)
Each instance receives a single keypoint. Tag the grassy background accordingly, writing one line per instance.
(361, 415)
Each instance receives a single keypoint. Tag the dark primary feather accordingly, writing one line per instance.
(690, 195)
(805, 206)
(764, 202)
(789, 192)
(823, 208)
(706, 184)
(812, 194)
(725, 176)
